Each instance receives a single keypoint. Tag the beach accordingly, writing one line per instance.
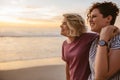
(31, 57)
(38, 69)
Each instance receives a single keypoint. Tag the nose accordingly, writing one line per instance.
(90, 19)
(60, 26)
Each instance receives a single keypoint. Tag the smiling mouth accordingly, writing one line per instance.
(92, 24)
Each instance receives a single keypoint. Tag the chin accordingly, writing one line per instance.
(62, 34)
(92, 29)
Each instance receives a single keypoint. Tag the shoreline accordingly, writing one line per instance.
(40, 69)
(30, 63)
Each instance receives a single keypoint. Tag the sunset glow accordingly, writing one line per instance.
(39, 13)
(27, 16)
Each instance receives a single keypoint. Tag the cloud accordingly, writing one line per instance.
(29, 12)
(42, 9)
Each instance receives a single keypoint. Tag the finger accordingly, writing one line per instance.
(116, 31)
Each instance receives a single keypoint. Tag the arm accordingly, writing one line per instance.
(106, 65)
(67, 66)
(67, 72)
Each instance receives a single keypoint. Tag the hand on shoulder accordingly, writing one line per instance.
(109, 32)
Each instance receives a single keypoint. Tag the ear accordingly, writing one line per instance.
(109, 18)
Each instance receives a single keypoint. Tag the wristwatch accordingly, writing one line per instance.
(102, 43)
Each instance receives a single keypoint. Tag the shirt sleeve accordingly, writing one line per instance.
(115, 42)
(63, 57)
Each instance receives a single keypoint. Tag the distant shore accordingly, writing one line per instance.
(45, 35)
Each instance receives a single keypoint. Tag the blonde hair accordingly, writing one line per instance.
(76, 24)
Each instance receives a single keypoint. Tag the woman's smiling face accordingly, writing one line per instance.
(97, 21)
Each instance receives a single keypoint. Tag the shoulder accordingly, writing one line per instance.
(88, 37)
(115, 42)
(116, 38)
(64, 42)
(91, 35)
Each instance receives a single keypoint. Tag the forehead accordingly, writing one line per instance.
(95, 12)
(64, 20)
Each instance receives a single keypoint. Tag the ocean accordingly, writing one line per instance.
(25, 46)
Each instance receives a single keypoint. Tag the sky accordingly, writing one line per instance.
(41, 13)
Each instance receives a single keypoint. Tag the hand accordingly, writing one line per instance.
(108, 32)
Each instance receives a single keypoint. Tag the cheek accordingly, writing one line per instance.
(96, 20)
(102, 23)
(99, 22)
(66, 28)
(63, 27)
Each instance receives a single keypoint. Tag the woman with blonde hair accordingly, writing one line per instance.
(75, 50)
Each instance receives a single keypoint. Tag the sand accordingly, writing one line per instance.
(40, 69)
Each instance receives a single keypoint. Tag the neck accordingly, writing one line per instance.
(70, 39)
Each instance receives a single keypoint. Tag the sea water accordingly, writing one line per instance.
(23, 47)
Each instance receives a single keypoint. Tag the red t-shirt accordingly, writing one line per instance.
(76, 55)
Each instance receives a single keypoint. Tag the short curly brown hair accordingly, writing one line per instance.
(106, 9)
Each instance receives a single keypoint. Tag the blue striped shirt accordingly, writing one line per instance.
(114, 43)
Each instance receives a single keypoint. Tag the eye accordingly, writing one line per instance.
(64, 23)
(93, 16)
